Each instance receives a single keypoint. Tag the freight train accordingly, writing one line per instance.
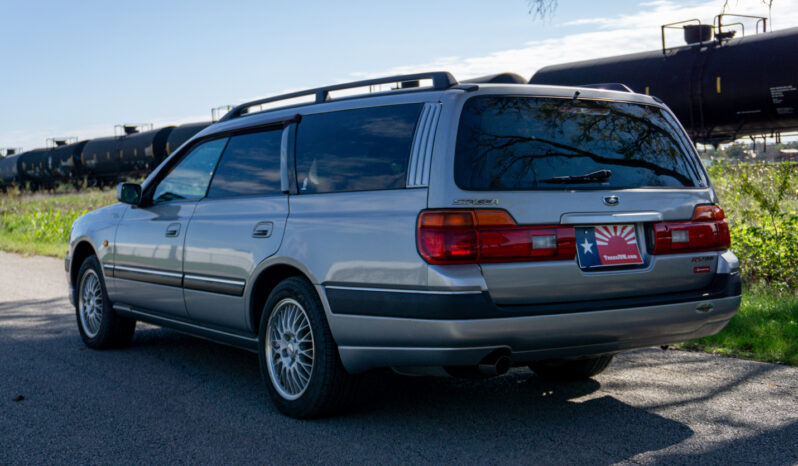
(721, 87)
(96, 162)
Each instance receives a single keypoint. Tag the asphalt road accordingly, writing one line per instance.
(171, 398)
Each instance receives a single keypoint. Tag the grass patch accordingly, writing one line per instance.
(765, 329)
(40, 223)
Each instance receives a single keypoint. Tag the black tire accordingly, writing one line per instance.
(111, 329)
(571, 369)
(329, 388)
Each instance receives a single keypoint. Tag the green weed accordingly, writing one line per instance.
(765, 328)
(40, 224)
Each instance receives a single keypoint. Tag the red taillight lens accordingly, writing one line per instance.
(708, 231)
(708, 213)
(448, 245)
(472, 236)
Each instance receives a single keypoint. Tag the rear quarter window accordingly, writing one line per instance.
(531, 143)
(355, 150)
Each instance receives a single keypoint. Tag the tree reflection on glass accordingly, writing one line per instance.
(509, 142)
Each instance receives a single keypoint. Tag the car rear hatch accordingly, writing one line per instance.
(598, 199)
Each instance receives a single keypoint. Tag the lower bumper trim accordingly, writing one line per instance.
(384, 303)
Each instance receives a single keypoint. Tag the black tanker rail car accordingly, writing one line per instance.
(720, 89)
(105, 161)
(141, 152)
(9, 172)
(499, 78)
(99, 161)
(183, 133)
(34, 171)
(64, 162)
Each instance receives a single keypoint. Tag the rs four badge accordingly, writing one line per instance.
(607, 245)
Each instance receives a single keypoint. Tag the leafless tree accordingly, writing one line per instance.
(545, 8)
(542, 8)
(769, 4)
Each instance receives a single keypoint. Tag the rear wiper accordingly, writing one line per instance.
(600, 175)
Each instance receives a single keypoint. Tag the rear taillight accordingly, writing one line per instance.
(474, 236)
(707, 231)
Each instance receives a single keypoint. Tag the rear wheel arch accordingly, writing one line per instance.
(262, 286)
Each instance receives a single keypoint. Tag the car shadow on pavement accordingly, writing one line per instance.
(776, 446)
(509, 416)
(501, 418)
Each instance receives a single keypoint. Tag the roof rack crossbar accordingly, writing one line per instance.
(440, 80)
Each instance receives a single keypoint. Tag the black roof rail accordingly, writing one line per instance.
(608, 87)
(440, 80)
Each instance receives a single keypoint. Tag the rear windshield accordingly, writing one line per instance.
(532, 143)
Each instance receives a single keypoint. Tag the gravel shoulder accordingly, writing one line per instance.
(171, 398)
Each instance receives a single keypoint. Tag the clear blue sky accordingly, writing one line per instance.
(84, 66)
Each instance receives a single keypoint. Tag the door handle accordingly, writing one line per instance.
(173, 230)
(262, 230)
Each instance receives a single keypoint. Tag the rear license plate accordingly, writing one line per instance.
(607, 245)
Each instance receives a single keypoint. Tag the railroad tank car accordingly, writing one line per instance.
(64, 162)
(106, 160)
(720, 89)
(183, 133)
(99, 161)
(141, 152)
(8, 171)
(499, 78)
(33, 170)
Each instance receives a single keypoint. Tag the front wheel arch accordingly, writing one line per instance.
(82, 251)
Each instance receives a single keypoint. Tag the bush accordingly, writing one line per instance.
(760, 200)
(768, 252)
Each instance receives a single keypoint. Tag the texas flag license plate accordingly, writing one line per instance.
(607, 245)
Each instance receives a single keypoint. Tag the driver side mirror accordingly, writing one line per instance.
(129, 193)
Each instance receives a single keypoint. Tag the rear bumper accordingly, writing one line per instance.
(371, 341)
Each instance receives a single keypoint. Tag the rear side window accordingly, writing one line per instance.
(355, 150)
(250, 166)
(529, 143)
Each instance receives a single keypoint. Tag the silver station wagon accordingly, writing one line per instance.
(417, 223)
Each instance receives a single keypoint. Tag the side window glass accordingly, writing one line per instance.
(189, 179)
(250, 165)
(355, 150)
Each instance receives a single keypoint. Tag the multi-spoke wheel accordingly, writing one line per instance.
(100, 327)
(90, 303)
(298, 358)
(289, 349)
